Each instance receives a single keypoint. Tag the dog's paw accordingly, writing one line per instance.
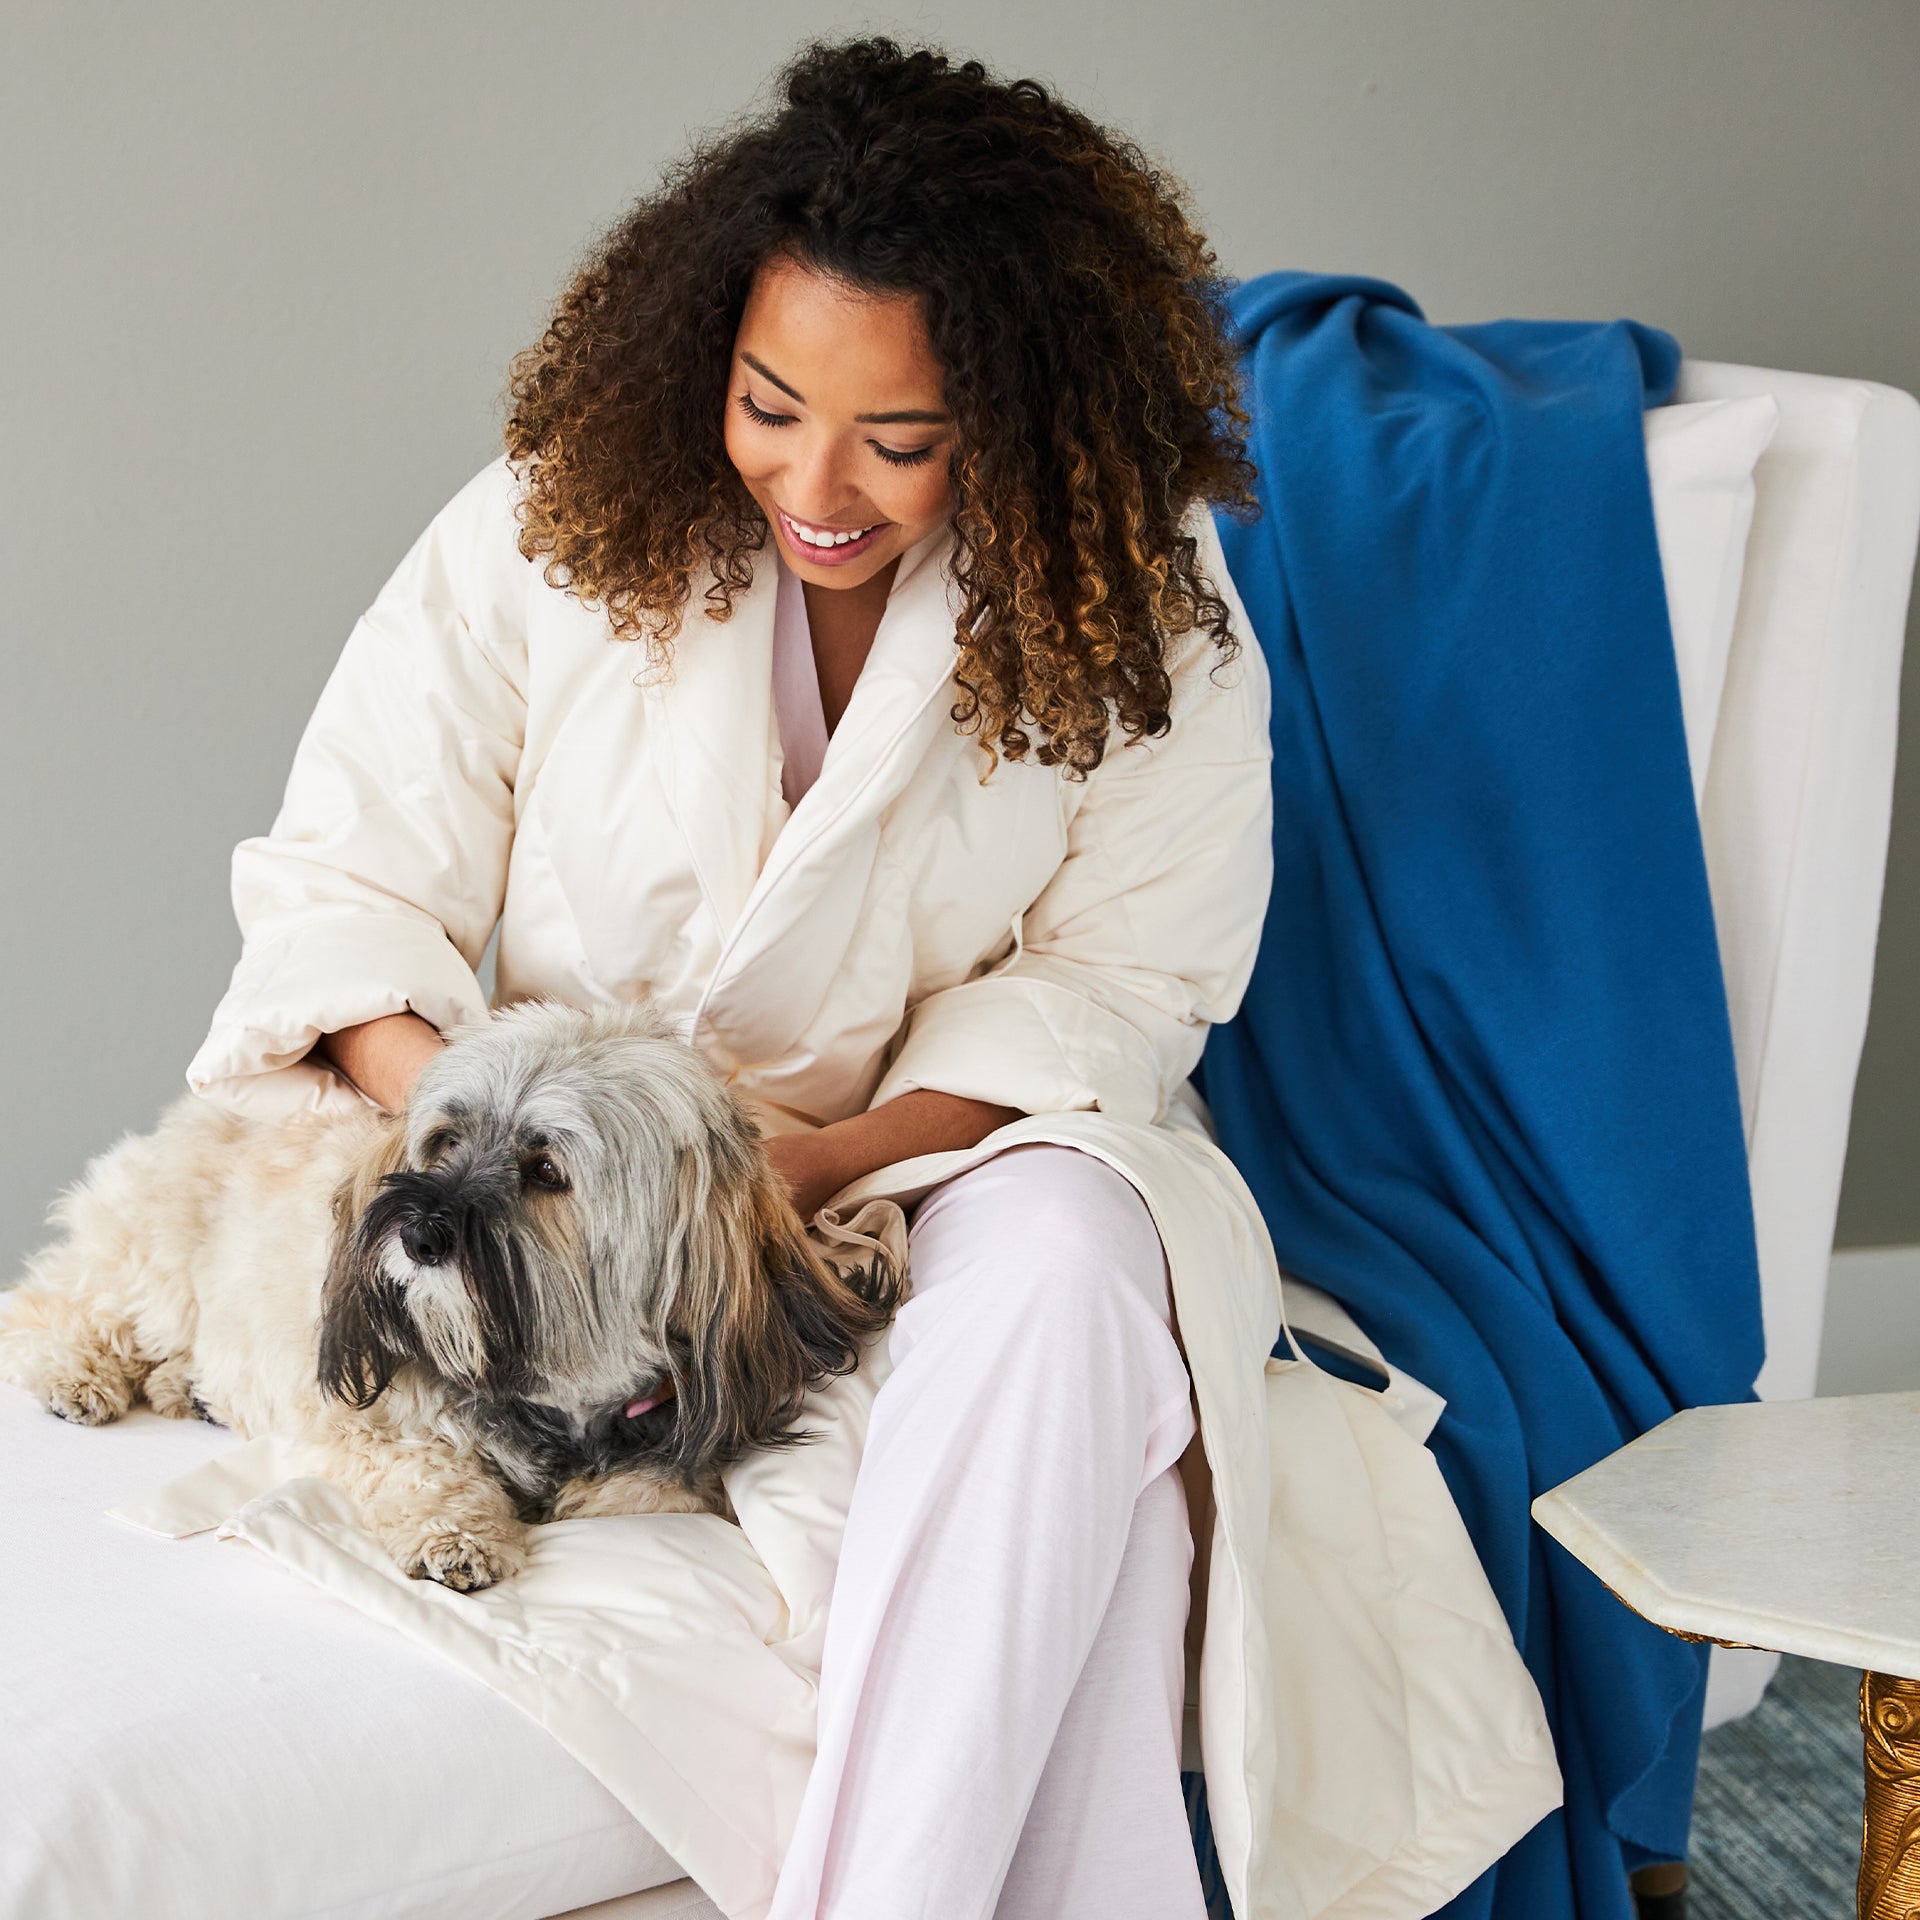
(459, 1558)
(88, 1399)
(75, 1381)
(170, 1392)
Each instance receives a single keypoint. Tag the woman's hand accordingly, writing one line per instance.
(817, 1165)
(383, 1057)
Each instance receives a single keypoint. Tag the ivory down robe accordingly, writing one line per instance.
(486, 752)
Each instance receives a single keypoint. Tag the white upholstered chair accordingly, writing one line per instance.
(208, 1704)
(1797, 796)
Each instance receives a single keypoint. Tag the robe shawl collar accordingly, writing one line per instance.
(776, 959)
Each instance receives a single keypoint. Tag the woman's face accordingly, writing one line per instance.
(837, 423)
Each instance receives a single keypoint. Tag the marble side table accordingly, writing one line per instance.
(1788, 1525)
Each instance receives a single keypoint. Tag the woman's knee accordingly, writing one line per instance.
(1041, 1206)
(1045, 1232)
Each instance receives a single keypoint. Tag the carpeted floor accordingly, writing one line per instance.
(1776, 1818)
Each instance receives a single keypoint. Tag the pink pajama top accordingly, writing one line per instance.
(798, 711)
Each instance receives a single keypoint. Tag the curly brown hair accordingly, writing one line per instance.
(1079, 320)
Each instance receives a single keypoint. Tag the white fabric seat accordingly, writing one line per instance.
(190, 1734)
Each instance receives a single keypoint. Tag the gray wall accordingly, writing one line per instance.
(261, 266)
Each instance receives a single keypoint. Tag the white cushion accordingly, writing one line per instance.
(190, 1735)
(1798, 801)
(1700, 461)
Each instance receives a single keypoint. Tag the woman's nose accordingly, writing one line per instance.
(817, 482)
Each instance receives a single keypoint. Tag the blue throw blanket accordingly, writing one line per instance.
(1483, 1081)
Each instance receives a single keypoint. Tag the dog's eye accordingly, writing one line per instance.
(544, 1173)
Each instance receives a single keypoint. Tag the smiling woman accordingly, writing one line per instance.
(920, 380)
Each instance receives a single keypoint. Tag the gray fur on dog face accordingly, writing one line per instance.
(576, 1213)
(571, 1132)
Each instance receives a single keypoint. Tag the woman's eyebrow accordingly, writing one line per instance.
(767, 373)
(901, 417)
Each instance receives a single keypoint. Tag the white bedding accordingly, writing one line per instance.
(186, 1733)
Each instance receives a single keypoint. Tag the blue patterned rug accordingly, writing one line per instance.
(1776, 1816)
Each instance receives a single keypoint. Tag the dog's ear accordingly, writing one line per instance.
(831, 1315)
(755, 1317)
(365, 1334)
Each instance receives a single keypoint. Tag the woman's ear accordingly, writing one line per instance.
(365, 1331)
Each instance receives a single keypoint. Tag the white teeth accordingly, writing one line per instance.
(823, 537)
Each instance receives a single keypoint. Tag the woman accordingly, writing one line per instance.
(842, 656)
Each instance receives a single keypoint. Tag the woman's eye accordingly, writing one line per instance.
(543, 1173)
(894, 458)
(760, 416)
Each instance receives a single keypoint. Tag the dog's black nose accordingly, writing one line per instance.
(427, 1240)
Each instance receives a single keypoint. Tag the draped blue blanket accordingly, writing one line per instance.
(1482, 1083)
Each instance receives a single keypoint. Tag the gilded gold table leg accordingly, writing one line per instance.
(1890, 1828)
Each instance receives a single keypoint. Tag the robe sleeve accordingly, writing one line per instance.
(1146, 933)
(380, 882)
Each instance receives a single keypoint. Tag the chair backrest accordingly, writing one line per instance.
(1798, 797)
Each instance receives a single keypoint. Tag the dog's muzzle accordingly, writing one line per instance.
(428, 1239)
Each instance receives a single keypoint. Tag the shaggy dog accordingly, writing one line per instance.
(565, 1281)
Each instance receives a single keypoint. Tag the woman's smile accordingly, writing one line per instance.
(826, 546)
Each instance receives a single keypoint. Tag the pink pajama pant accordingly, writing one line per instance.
(1000, 1701)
